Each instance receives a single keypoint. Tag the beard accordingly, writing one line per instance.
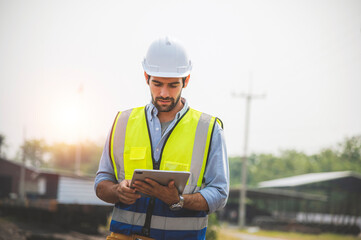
(165, 108)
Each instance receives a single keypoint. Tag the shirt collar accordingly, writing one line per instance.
(152, 111)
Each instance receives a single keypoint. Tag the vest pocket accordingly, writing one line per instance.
(137, 153)
(176, 166)
(137, 159)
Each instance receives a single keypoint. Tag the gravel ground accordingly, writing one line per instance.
(12, 230)
(9, 231)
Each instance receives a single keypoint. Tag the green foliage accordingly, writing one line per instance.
(235, 168)
(263, 167)
(350, 153)
(2, 144)
(34, 151)
(61, 156)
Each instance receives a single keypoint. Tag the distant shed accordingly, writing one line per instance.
(341, 211)
(64, 199)
(346, 179)
(10, 179)
(266, 202)
(77, 190)
(65, 188)
(343, 189)
(314, 202)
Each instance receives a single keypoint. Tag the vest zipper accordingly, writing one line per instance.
(156, 166)
(148, 218)
(166, 140)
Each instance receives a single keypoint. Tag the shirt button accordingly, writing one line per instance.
(157, 149)
(157, 129)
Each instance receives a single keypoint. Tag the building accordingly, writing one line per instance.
(315, 202)
(64, 198)
(65, 188)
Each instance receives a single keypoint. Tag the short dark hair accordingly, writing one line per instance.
(183, 79)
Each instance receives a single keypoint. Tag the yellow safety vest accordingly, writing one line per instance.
(186, 148)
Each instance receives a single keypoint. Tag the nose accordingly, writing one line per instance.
(164, 92)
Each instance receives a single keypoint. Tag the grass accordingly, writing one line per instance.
(303, 236)
(226, 233)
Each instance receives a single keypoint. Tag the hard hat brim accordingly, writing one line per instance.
(166, 74)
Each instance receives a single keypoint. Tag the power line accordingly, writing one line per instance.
(243, 193)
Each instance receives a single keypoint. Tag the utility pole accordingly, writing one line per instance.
(77, 158)
(79, 143)
(243, 193)
(22, 171)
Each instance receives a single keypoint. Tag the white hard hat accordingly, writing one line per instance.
(166, 57)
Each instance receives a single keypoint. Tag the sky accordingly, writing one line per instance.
(67, 67)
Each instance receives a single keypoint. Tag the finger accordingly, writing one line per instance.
(124, 186)
(141, 184)
(146, 189)
(131, 195)
(127, 183)
(151, 182)
(142, 189)
(122, 190)
(126, 189)
(126, 198)
(127, 201)
(171, 184)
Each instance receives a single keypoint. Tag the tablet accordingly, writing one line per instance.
(162, 177)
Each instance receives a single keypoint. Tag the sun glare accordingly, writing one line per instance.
(67, 119)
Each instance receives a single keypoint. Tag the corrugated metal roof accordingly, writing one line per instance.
(49, 170)
(277, 194)
(77, 191)
(307, 179)
(19, 164)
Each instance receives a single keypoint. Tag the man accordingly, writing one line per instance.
(168, 135)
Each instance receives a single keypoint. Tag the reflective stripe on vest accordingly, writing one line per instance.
(117, 140)
(159, 222)
(186, 148)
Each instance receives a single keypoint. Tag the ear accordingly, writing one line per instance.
(186, 81)
(146, 77)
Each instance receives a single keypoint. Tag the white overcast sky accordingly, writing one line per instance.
(305, 55)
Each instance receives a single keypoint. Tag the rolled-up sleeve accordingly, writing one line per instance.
(216, 174)
(105, 170)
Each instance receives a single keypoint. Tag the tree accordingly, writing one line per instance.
(2, 144)
(263, 167)
(350, 154)
(91, 154)
(327, 160)
(34, 151)
(63, 156)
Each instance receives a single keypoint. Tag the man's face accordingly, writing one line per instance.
(166, 92)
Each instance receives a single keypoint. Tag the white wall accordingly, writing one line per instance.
(77, 191)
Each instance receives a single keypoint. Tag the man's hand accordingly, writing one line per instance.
(168, 194)
(126, 194)
(112, 192)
